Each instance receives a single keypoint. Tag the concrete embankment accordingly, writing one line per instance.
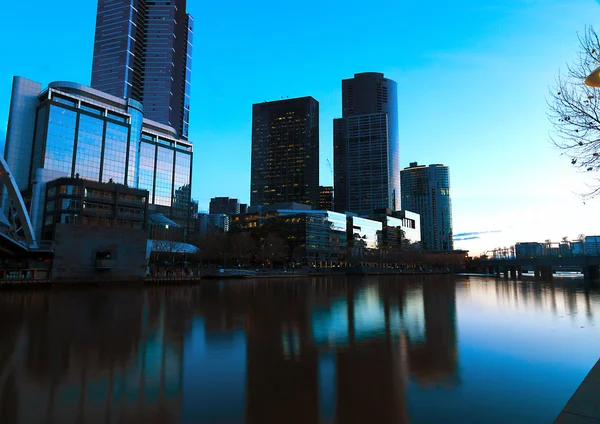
(584, 405)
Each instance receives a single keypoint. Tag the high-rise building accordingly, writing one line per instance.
(326, 198)
(366, 146)
(143, 51)
(224, 205)
(285, 152)
(70, 130)
(426, 191)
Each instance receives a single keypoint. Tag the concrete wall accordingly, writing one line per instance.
(75, 253)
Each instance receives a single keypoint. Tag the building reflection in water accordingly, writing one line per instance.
(94, 357)
(321, 350)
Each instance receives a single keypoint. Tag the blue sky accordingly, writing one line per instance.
(472, 78)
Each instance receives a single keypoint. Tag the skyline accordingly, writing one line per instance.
(482, 72)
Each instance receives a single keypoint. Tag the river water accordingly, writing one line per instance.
(402, 349)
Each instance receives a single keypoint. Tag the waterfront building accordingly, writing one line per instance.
(224, 205)
(326, 198)
(90, 203)
(70, 130)
(398, 227)
(314, 236)
(285, 152)
(366, 145)
(426, 191)
(364, 236)
(143, 51)
(212, 222)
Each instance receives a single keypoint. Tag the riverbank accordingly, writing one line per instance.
(584, 405)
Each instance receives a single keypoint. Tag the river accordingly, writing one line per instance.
(395, 349)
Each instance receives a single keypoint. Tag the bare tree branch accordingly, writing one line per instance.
(574, 110)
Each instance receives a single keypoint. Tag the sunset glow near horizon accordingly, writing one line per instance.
(473, 82)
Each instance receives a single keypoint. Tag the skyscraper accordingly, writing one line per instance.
(224, 205)
(426, 191)
(143, 51)
(285, 152)
(366, 146)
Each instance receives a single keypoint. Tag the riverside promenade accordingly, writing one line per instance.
(584, 405)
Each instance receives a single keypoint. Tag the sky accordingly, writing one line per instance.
(473, 80)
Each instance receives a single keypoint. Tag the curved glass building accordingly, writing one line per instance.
(426, 191)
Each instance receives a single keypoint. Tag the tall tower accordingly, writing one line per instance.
(143, 51)
(285, 152)
(366, 146)
(426, 191)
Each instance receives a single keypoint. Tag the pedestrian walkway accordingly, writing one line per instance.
(584, 405)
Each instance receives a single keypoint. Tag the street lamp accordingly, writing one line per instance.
(593, 79)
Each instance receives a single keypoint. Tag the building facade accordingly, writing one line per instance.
(90, 203)
(285, 152)
(224, 205)
(70, 130)
(366, 145)
(398, 227)
(143, 51)
(326, 198)
(426, 191)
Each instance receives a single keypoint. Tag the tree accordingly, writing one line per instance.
(575, 110)
(243, 247)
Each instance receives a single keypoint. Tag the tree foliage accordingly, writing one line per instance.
(575, 110)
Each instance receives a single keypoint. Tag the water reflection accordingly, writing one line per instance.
(320, 350)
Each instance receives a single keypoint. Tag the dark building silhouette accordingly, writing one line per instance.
(224, 205)
(326, 198)
(143, 51)
(426, 191)
(285, 152)
(366, 146)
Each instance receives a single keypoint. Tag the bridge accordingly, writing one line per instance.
(17, 236)
(543, 267)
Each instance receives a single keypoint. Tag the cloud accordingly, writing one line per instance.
(475, 233)
(467, 238)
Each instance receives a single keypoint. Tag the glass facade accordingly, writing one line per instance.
(285, 152)
(163, 193)
(363, 234)
(366, 145)
(89, 147)
(115, 153)
(146, 168)
(60, 140)
(81, 132)
(426, 191)
(143, 51)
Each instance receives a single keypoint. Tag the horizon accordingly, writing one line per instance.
(468, 75)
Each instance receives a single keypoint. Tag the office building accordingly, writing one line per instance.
(143, 51)
(90, 203)
(224, 205)
(366, 146)
(326, 198)
(313, 236)
(426, 191)
(208, 223)
(399, 227)
(70, 130)
(285, 152)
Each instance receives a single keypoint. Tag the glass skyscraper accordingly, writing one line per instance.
(285, 152)
(143, 51)
(366, 145)
(426, 191)
(80, 132)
